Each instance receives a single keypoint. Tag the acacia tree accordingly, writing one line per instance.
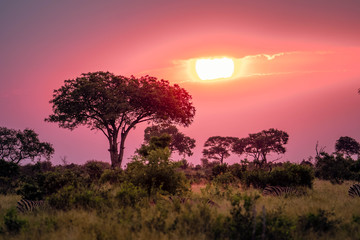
(218, 148)
(179, 141)
(259, 145)
(17, 145)
(116, 104)
(347, 145)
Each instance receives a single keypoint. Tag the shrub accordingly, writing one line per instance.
(95, 169)
(224, 179)
(12, 222)
(219, 169)
(286, 175)
(130, 195)
(318, 222)
(112, 176)
(70, 197)
(156, 172)
(9, 173)
(335, 168)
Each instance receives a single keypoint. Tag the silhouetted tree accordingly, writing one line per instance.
(259, 145)
(116, 104)
(17, 145)
(179, 142)
(347, 145)
(218, 148)
(155, 142)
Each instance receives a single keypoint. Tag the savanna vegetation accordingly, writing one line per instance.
(155, 197)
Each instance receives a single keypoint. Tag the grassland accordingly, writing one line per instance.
(326, 212)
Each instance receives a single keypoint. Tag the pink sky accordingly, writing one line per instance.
(299, 64)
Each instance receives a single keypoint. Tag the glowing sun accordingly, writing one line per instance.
(209, 69)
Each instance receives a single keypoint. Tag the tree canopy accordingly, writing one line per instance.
(115, 104)
(17, 145)
(259, 145)
(179, 141)
(347, 145)
(218, 148)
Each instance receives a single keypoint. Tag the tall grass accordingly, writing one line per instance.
(194, 219)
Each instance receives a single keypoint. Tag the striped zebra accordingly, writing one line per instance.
(25, 205)
(277, 191)
(354, 190)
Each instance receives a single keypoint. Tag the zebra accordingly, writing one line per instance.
(25, 205)
(280, 191)
(354, 190)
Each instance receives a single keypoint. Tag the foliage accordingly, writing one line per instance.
(155, 142)
(288, 175)
(130, 195)
(347, 145)
(318, 222)
(156, 172)
(218, 148)
(179, 142)
(219, 169)
(9, 173)
(335, 168)
(116, 104)
(259, 145)
(70, 197)
(95, 169)
(12, 221)
(16, 145)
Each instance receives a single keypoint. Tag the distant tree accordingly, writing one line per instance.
(347, 145)
(179, 142)
(259, 145)
(116, 104)
(17, 145)
(155, 142)
(218, 148)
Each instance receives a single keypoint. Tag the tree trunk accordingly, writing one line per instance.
(114, 155)
(122, 149)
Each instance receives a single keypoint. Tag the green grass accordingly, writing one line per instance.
(167, 220)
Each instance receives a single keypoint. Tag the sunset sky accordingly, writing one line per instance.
(297, 66)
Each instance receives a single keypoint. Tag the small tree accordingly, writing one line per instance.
(259, 145)
(347, 145)
(179, 142)
(16, 145)
(218, 148)
(116, 104)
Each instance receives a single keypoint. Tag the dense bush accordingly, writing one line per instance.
(318, 222)
(336, 168)
(70, 197)
(219, 169)
(287, 175)
(12, 221)
(130, 195)
(156, 172)
(9, 173)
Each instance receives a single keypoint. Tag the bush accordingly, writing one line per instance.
(292, 175)
(70, 197)
(112, 176)
(288, 175)
(9, 173)
(318, 222)
(95, 169)
(336, 168)
(12, 222)
(156, 172)
(219, 169)
(130, 195)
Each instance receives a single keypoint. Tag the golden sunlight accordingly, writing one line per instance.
(215, 68)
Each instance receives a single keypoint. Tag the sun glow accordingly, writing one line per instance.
(215, 68)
